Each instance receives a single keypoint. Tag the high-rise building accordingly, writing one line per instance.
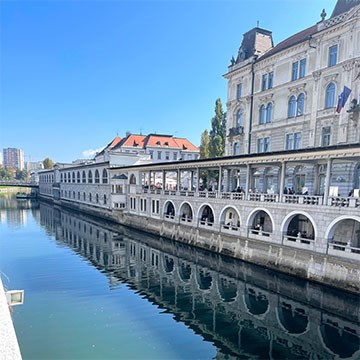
(14, 158)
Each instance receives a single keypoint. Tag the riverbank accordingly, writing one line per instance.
(9, 347)
(321, 268)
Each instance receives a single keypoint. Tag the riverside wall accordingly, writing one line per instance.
(326, 269)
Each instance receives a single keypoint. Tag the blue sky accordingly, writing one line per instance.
(74, 74)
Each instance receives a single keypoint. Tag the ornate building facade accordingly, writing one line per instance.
(285, 97)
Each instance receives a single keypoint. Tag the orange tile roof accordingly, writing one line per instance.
(185, 144)
(133, 140)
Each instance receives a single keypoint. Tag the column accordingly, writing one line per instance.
(316, 180)
(178, 179)
(248, 178)
(197, 179)
(282, 177)
(228, 180)
(327, 180)
(191, 180)
(164, 180)
(149, 179)
(220, 180)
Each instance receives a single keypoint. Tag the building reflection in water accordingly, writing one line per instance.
(15, 212)
(243, 309)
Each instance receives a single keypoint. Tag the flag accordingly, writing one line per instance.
(343, 98)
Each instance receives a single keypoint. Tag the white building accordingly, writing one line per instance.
(285, 97)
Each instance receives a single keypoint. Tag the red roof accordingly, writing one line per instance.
(185, 144)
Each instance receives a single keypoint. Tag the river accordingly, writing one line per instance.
(98, 290)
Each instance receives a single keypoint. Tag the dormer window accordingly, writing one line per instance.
(166, 143)
(158, 143)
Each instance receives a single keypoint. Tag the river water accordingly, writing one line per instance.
(97, 290)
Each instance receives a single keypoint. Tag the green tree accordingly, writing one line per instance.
(48, 163)
(7, 173)
(21, 174)
(205, 145)
(218, 131)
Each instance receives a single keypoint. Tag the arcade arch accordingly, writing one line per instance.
(260, 222)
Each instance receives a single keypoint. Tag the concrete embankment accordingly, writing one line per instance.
(328, 270)
(9, 347)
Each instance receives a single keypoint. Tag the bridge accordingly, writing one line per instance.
(19, 183)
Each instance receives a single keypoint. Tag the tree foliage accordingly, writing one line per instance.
(7, 173)
(48, 163)
(205, 145)
(218, 131)
(21, 174)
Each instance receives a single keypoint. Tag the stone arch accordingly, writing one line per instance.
(339, 341)
(186, 212)
(132, 179)
(168, 264)
(294, 223)
(227, 289)
(184, 271)
(230, 217)
(204, 279)
(206, 215)
(292, 319)
(352, 231)
(255, 301)
(260, 220)
(169, 209)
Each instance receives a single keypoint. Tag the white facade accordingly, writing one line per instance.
(285, 97)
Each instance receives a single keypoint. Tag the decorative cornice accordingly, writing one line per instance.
(348, 65)
(266, 98)
(331, 77)
(316, 75)
(298, 88)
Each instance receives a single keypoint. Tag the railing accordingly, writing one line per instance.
(333, 201)
(343, 247)
(186, 219)
(299, 239)
(260, 232)
(230, 227)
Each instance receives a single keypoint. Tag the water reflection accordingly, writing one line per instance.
(246, 311)
(15, 211)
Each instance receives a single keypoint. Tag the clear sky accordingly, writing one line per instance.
(74, 74)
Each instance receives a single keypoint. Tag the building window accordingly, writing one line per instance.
(294, 71)
(97, 177)
(266, 144)
(262, 117)
(175, 156)
(239, 117)
(330, 96)
(90, 177)
(293, 141)
(104, 177)
(300, 104)
(236, 148)
(302, 71)
(289, 141)
(78, 177)
(167, 155)
(292, 107)
(159, 155)
(73, 194)
(269, 112)
(333, 50)
(325, 136)
(73, 177)
(90, 197)
(61, 177)
(270, 80)
(238, 90)
(260, 145)
(84, 177)
(297, 140)
(97, 198)
(84, 196)
(105, 200)
(264, 82)
(151, 154)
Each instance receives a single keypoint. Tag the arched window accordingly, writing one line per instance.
(330, 96)
(90, 177)
(97, 198)
(73, 176)
(104, 177)
(73, 194)
(97, 176)
(269, 108)
(105, 200)
(236, 148)
(65, 178)
(300, 104)
(69, 177)
(78, 195)
(292, 107)
(90, 197)
(132, 179)
(262, 114)
(84, 177)
(61, 177)
(84, 196)
(78, 176)
(239, 117)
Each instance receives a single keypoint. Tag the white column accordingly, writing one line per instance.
(327, 180)
(282, 178)
(248, 178)
(220, 180)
